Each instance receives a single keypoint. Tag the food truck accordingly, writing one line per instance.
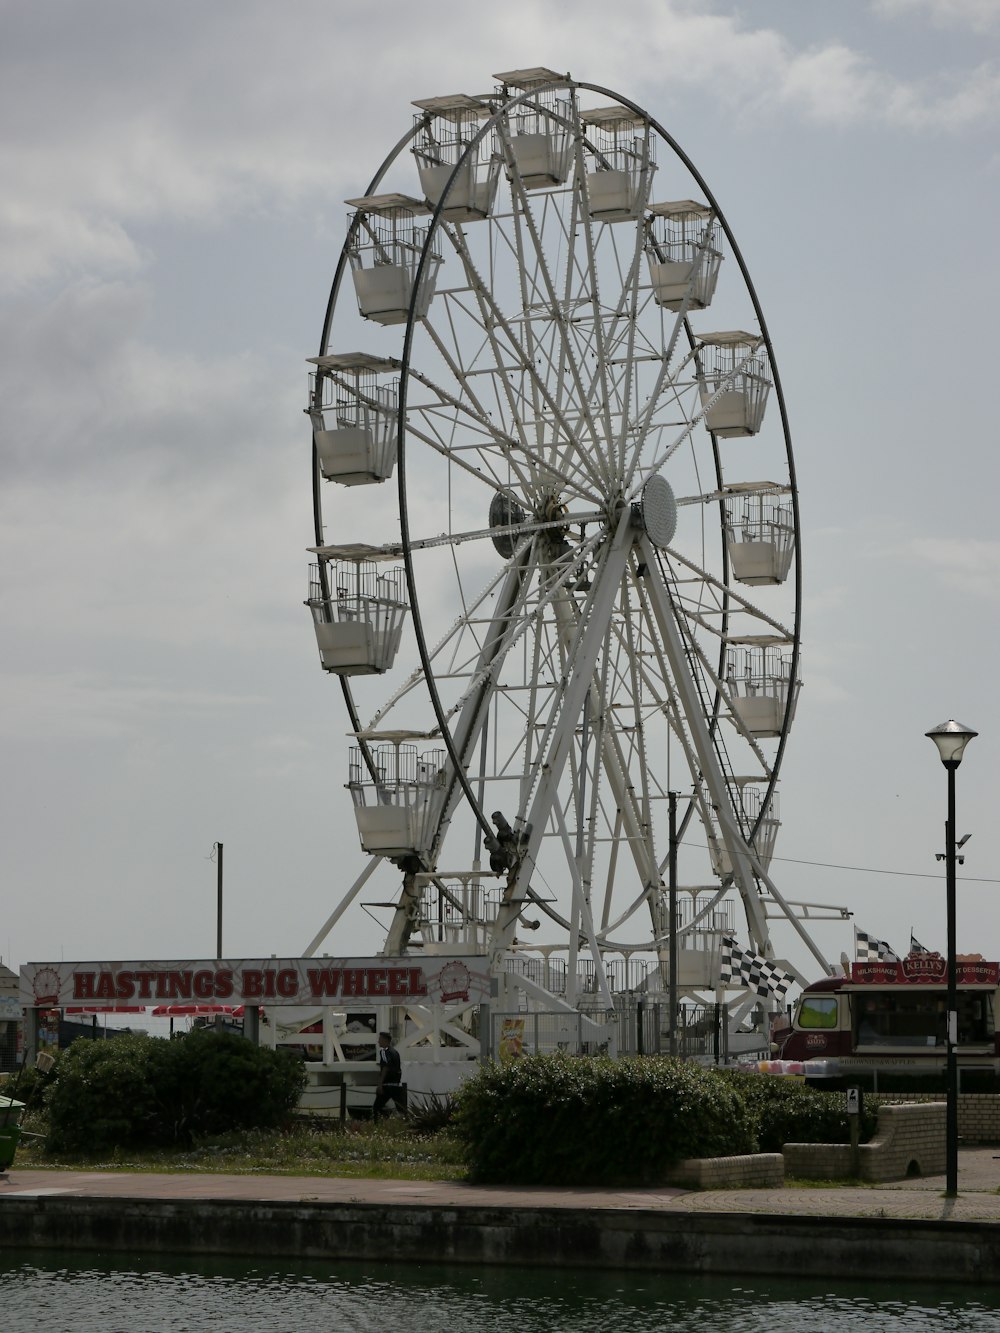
(891, 1015)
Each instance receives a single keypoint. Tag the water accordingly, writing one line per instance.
(42, 1292)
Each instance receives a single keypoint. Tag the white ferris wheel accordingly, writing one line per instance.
(556, 561)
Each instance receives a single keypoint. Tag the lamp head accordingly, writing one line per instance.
(951, 738)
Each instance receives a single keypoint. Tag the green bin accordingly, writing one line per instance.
(10, 1136)
(10, 1130)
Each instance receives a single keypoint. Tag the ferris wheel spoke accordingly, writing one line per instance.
(700, 413)
(525, 357)
(554, 306)
(710, 580)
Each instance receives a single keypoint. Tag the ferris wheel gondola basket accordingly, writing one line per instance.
(683, 244)
(386, 251)
(398, 791)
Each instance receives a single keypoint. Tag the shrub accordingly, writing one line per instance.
(103, 1094)
(142, 1091)
(784, 1111)
(561, 1120)
(212, 1082)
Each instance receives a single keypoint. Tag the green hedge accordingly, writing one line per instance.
(566, 1121)
(569, 1121)
(786, 1111)
(136, 1090)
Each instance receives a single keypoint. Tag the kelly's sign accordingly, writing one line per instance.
(929, 969)
(271, 981)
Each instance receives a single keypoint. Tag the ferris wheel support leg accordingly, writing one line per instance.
(555, 744)
(404, 916)
(585, 915)
(691, 707)
(608, 746)
(470, 725)
(341, 908)
(473, 715)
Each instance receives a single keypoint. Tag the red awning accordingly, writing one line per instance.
(105, 1009)
(196, 1010)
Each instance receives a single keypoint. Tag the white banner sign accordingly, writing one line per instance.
(267, 981)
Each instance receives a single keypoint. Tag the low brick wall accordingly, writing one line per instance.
(978, 1113)
(979, 1117)
(764, 1170)
(910, 1142)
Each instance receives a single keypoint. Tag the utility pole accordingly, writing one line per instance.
(672, 907)
(218, 932)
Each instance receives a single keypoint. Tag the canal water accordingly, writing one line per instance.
(47, 1292)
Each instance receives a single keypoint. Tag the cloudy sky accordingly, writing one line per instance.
(171, 214)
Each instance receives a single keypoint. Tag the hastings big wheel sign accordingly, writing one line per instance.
(274, 981)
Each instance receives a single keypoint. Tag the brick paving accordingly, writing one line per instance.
(978, 1201)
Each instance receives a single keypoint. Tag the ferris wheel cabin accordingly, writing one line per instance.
(397, 792)
(756, 810)
(760, 684)
(760, 531)
(446, 129)
(385, 248)
(537, 142)
(354, 416)
(621, 148)
(734, 382)
(357, 612)
(683, 244)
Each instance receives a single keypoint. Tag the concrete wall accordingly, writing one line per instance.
(909, 1142)
(637, 1239)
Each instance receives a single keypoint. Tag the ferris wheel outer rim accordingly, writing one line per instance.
(568, 84)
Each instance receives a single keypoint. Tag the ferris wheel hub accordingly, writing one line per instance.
(658, 511)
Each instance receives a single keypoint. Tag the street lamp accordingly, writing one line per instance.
(951, 738)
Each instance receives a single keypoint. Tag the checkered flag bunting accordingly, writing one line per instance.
(867, 949)
(755, 972)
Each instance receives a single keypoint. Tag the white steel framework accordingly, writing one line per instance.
(596, 515)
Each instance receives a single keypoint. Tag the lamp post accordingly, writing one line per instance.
(951, 738)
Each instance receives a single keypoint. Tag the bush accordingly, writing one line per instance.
(561, 1120)
(214, 1082)
(142, 1091)
(103, 1094)
(784, 1111)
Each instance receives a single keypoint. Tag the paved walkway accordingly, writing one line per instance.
(978, 1201)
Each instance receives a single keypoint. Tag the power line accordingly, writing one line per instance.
(872, 870)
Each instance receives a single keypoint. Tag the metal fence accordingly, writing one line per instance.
(638, 1027)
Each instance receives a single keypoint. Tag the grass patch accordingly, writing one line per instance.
(390, 1149)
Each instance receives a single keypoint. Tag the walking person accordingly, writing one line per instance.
(390, 1070)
